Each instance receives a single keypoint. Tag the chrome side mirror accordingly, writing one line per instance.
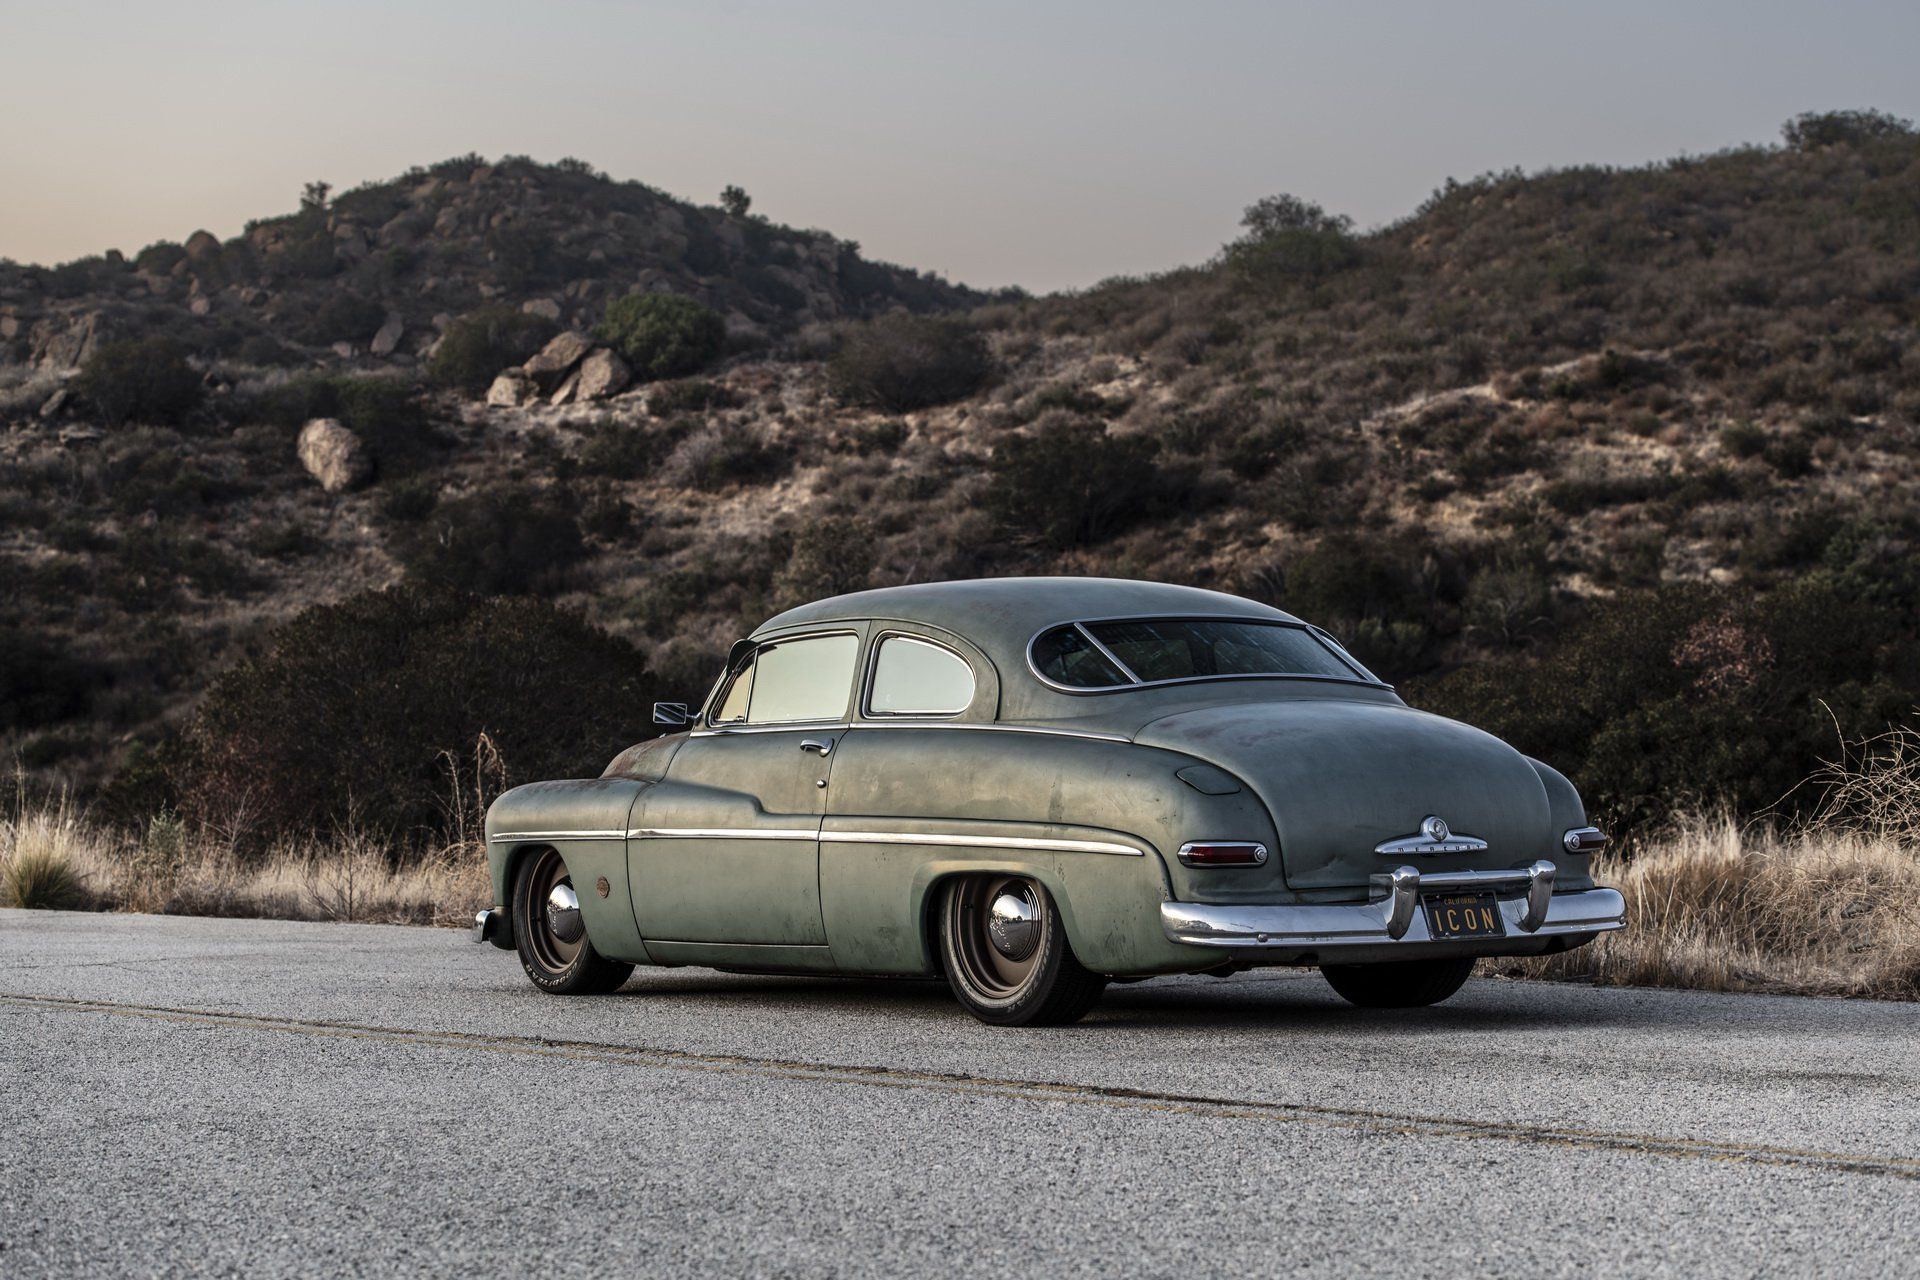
(671, 714)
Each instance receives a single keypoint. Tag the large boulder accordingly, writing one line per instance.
(387, 340)
(558, 357)
(512, 389)
(603, 374)
(333, 455)
(202, 245)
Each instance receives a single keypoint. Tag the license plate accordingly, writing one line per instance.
(1464, 915)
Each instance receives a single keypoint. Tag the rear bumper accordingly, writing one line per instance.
(491, 926)
(1391, 925)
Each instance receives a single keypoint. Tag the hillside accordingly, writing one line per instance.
(1539, 413)
(375, 273)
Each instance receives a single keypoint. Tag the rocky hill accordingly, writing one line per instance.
(373, 275)
(1672, 413)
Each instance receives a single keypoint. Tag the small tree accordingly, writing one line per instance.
(1815, 129)
(1287, 237)
(663, 335)
(313, 197)
(146, 380)
(735, 201)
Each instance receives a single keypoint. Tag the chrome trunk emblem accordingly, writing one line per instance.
(1435, 837)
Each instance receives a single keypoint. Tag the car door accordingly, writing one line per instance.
(729, 852)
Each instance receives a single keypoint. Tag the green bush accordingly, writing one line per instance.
(691, 395)
(1290, 238)
(145, 380)
(343, 317)
(506, 540)
(1070, 482)
(477, 346)
(624, 450)
(663, 335)
(1815, 129)
(904, 362)
(345, 717)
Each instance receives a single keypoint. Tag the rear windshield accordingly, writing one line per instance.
(1106, 655)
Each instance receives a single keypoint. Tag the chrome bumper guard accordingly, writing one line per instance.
(1529, 908)
(484, 924)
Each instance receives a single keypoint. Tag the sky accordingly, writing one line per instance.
(1048, 145)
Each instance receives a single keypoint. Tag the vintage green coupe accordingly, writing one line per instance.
(1035, 786)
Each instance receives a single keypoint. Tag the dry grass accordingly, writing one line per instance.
(1831, 908)
(1712, 907)
(173, 870)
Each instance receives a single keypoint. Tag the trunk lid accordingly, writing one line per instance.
(1341, 777)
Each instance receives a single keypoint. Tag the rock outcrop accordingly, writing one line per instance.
(603, 373)
(334, 455)
(558, 242)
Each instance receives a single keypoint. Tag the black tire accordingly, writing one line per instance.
(1043, 986)
(1400, 984)
(554, 964)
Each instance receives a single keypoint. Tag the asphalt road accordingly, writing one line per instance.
(249, 1097)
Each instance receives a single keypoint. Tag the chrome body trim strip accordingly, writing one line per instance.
(793, 726)
(1434, 837)
(949, 838)
(981, 842)
(1391, 920)
(723, 833)
(1092, 734)
(509, 837)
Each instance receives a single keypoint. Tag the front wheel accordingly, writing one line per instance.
(1399, 984)
(1006, 956)
(550, 935)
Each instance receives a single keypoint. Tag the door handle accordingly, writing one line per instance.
(823, 745)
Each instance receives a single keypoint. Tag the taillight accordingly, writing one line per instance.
(1584, 840)
(1223, 853)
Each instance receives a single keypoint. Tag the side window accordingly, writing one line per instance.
(794, 680)
(917, 677)
(733, 705)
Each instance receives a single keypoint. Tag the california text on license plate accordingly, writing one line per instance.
(1464, 915)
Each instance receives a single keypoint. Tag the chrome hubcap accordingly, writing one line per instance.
(563, 914)
(1013, 925)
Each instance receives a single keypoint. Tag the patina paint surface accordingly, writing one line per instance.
(745, 848)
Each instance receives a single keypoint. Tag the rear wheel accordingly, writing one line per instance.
(1400, 984)
(1006, 955)
(550, 935)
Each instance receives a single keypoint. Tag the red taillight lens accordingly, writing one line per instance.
(1223, 853)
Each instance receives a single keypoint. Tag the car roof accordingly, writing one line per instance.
(1004, 613)
(1000, 616)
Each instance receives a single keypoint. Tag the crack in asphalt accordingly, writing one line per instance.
(1409, 1124)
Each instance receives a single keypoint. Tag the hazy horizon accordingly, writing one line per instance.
(1047, 146)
